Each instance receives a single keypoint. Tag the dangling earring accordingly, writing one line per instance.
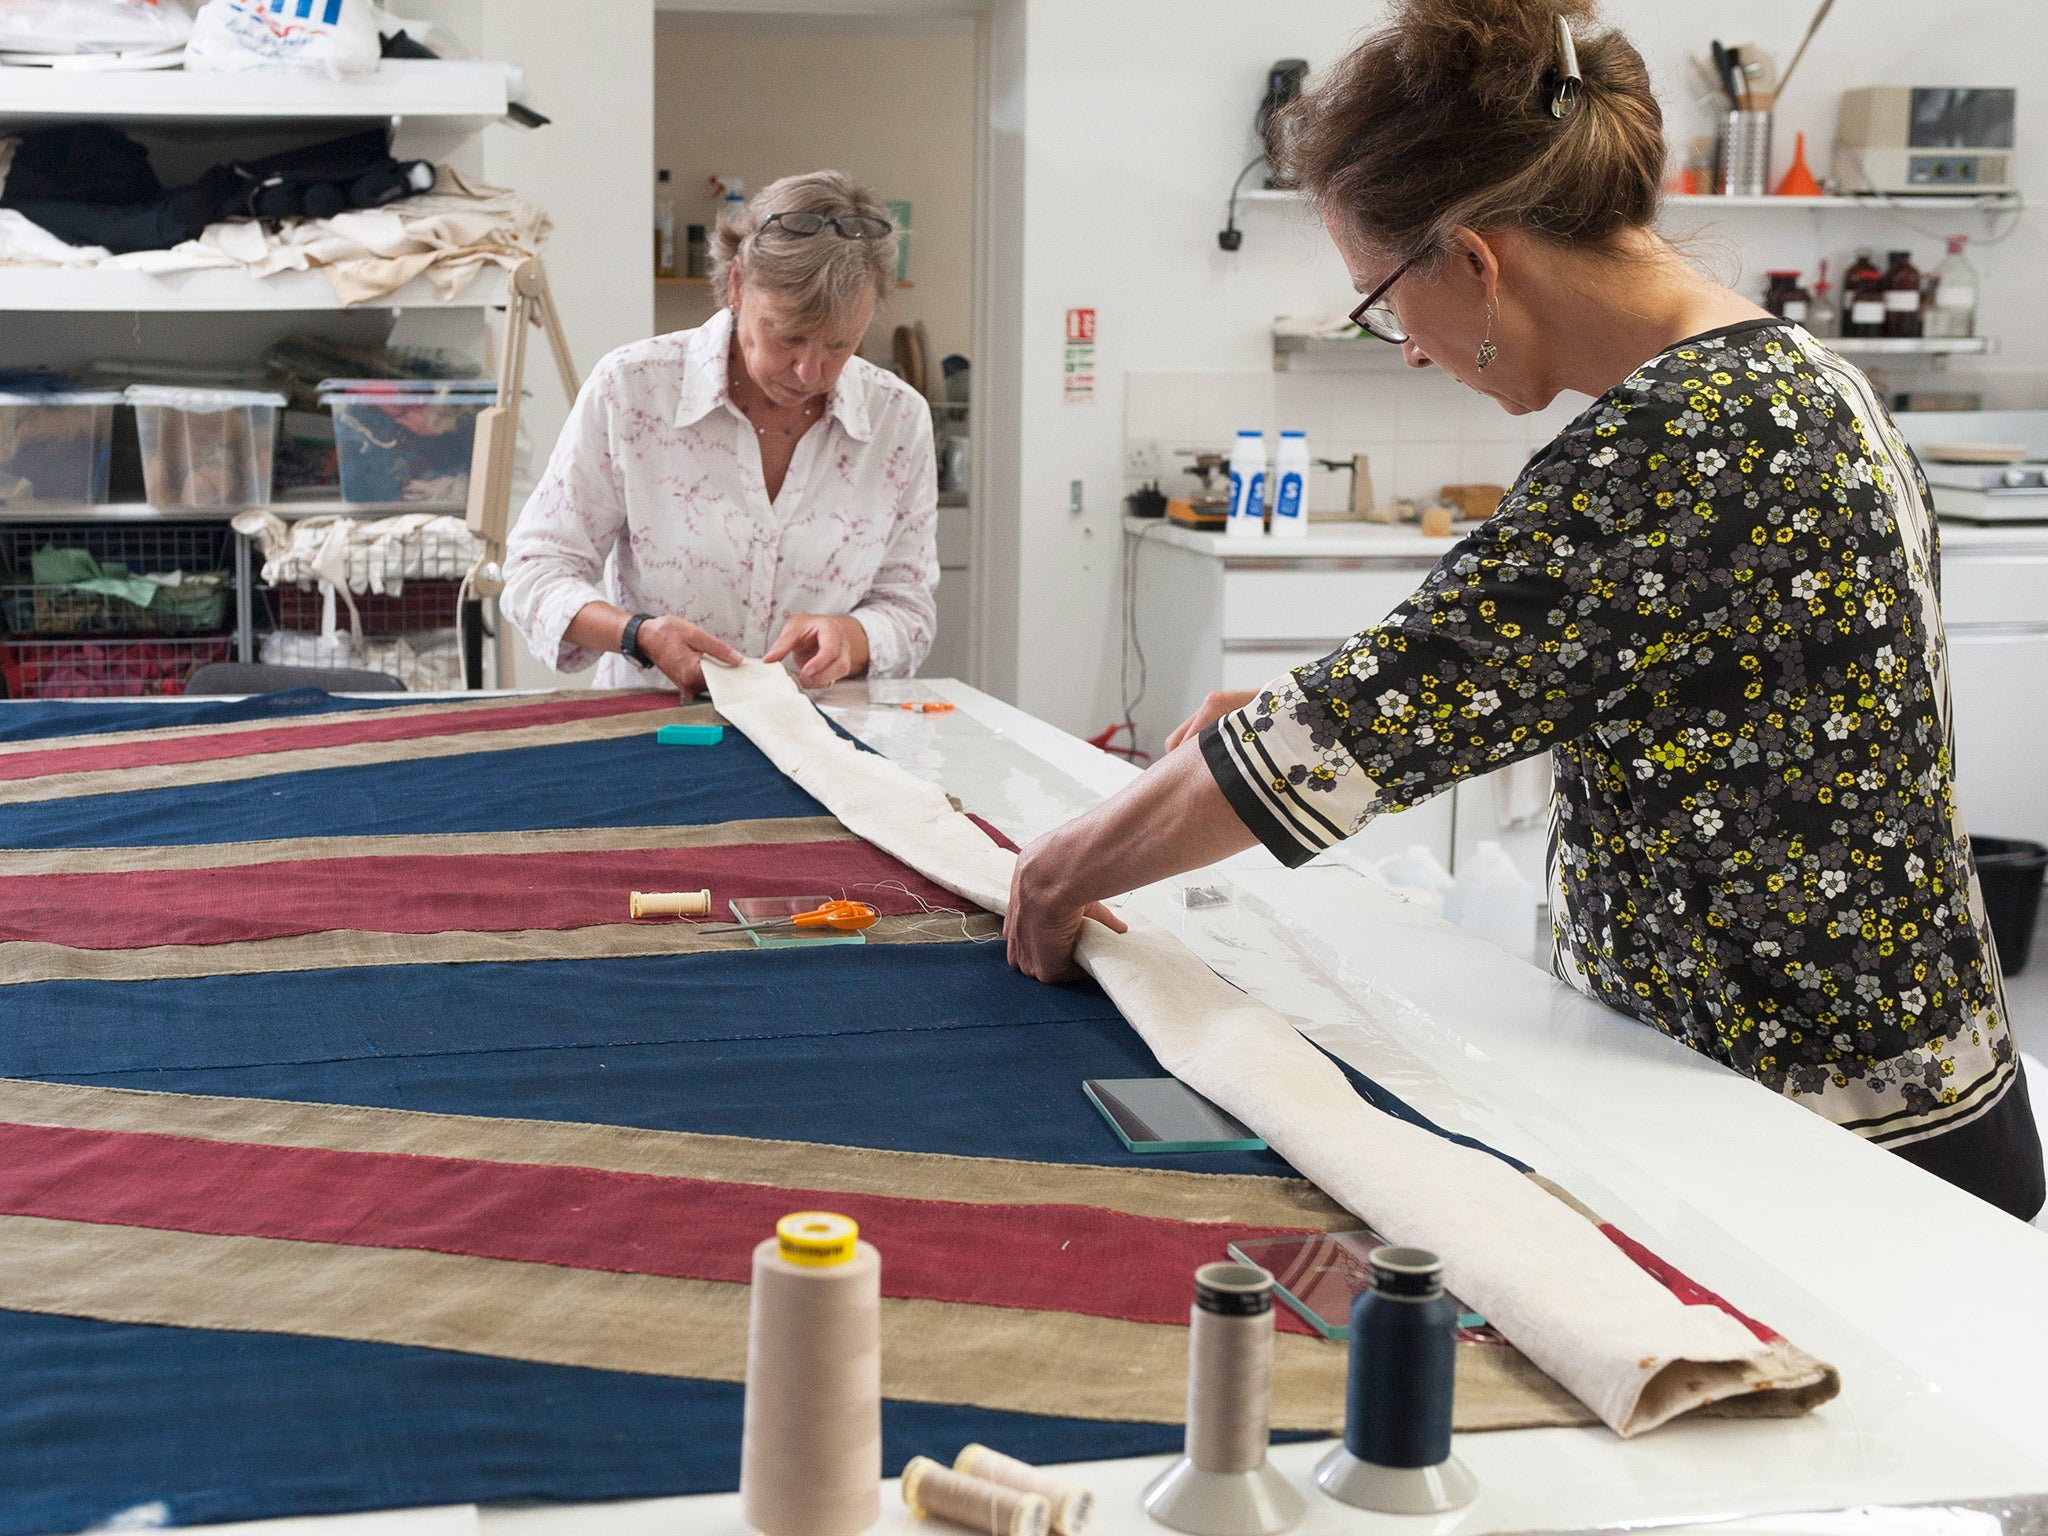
(1487, 351)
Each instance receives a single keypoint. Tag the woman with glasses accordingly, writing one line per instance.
(1712, 597)
(747, 488)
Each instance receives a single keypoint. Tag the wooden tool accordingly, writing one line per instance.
(1812, 27)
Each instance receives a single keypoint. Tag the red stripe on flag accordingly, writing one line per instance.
(449, 893)
(1059, 1258)
(1682, 1285)
(353, 729)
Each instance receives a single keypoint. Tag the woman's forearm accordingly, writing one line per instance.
(1172, 819)
(597, 627)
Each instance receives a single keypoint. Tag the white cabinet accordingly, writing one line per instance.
(1994, 601)
(1215, 613)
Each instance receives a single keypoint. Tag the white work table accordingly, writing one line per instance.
(1933, 1305)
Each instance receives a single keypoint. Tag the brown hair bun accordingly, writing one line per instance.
(1443, 118)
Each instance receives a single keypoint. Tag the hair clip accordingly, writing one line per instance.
(1564, 101)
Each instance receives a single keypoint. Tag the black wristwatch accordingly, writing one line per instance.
(629, 640)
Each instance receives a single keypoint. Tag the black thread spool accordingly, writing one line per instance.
(1396, 1456)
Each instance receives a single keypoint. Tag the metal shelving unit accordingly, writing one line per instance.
(437, 106)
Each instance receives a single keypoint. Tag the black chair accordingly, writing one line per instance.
(221, 677)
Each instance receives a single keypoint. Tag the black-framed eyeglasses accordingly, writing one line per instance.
(855, 226)
(1374, 318)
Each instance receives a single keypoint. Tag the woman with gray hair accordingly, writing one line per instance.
(750, 487)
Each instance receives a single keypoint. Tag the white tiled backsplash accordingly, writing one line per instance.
(1421, 430)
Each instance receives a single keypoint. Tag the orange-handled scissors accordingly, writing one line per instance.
(839, 916)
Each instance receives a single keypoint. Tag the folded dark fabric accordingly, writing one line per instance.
(81, 162)
(93, 185)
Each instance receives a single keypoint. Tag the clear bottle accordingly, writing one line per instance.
(664, 228)
(1290, 486)
(1902, 296)
(1823, 319)
(1863, 298)
(1247, 517)
(1951, 309)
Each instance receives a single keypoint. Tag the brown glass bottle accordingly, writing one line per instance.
(1902, 296)
(1863, 298)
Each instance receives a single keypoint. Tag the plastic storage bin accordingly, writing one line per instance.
(406, 440)
(205, 447)
(55, 446)
(2009, 872)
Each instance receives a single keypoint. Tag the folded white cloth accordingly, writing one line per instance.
(1542, 1273)
(449, 234)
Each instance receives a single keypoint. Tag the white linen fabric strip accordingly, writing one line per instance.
(1537, 1268)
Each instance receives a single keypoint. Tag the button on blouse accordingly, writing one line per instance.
(654, 500)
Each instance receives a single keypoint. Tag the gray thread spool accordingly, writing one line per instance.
(975, 1502)
(1745, 154)
(1072, 1507)
(1224, 1485)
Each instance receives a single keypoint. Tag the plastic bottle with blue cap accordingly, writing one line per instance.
(1247, 486)
(1290, 481)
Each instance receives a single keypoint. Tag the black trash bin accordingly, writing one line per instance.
(2009, 872)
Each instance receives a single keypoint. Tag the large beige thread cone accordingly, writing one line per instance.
(811, 1456)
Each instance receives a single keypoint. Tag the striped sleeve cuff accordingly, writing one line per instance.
(1279, 781)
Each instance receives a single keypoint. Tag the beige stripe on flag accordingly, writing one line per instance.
(107, 781)
(1060, 1363)
(453, 708)
(1251, 1200)
(25, 960)
(284, 850)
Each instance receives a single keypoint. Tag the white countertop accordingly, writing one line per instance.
(1405, 542)
(1933, 1305)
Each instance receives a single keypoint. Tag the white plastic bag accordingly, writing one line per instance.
(93, 26)
(326, 37)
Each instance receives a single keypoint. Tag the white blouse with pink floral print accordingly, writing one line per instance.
(655, 491)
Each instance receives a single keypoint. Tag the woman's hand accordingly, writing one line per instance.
(1214, 708)
(1043, 926)
(826, 646)
(679, 647)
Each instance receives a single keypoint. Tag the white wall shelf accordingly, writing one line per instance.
(1338, 354)
(1913, 346)
(121, 290)
(469, 95)
(142, 512)
(1981, 202)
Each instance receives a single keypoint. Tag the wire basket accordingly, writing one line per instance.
(193, 608)
(198, 604)
(150, 546)
(428, 661)
(72, 669)
(422, 605)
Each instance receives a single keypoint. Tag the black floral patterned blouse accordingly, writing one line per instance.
(1713, 598)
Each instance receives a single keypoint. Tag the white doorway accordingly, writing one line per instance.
(895, 102)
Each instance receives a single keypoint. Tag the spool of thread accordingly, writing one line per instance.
(1230, 1367)
(671, 903)
(980, 1505)
(1224, 1485)
(1072, 1507)
(1396, 1456)
(811, 1446)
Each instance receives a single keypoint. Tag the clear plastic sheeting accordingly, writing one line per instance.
(1791, 1219)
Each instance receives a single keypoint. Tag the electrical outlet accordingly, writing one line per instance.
(1075, 504)
(1143, 460)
